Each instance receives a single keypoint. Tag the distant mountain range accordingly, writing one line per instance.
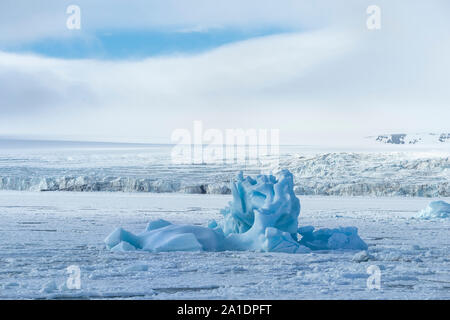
(416, 138)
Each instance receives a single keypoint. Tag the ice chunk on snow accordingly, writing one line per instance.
(279, 241)
(123, 246)
(168, 238)
(182, 238)
(331, 239)
(49, 287)
(156, 224)
(362, 256)
(137, 267)
(436, 209)
(10, 285)
(120, 235)
(263, 216)
(173, 242)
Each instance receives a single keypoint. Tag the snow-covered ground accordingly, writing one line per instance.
(42, 233)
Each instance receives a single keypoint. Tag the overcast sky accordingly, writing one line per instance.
(137, 70)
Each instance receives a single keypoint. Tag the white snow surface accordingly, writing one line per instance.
(41, 234)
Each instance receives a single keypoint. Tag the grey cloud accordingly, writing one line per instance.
(395, 79)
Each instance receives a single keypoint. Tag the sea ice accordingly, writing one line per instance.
(49, 287)
(362, 256)
(436, 209)
(263, 216)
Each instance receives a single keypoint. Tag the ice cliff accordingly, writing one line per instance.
(263, 216)
(337, 174)
(370, 174)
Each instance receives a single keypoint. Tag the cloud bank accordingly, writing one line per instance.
(333, 78)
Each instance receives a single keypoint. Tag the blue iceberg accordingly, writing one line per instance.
(436, 209)
(263, 216)
(331, 239)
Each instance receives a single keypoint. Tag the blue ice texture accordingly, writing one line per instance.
(263, 216)
(436, 209)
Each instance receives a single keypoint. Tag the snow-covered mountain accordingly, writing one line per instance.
(416, 138)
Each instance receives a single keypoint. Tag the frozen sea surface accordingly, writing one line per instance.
(41, 234)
